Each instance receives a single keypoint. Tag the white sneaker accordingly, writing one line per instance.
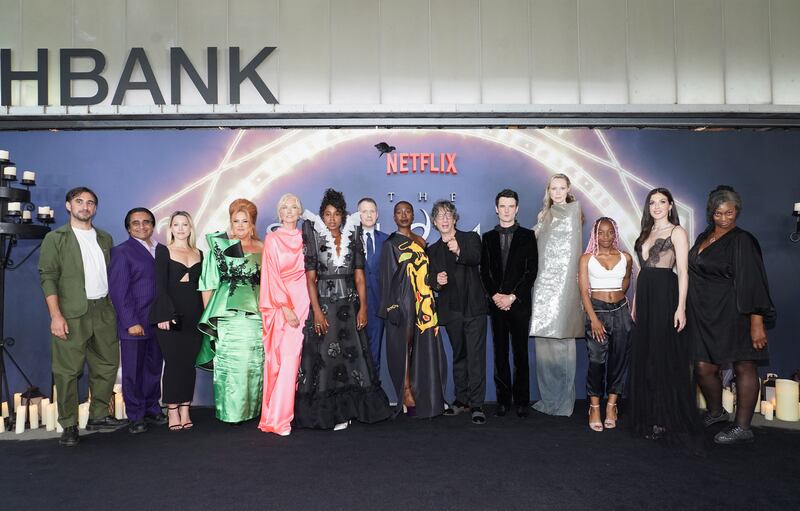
(341, 426)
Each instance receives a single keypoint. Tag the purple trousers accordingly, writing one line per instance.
(141, 376)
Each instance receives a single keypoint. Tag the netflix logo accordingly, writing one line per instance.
(419, 163)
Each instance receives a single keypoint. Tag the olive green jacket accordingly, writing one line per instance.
(61, 268)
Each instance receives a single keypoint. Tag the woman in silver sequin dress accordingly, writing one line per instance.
(557, 317)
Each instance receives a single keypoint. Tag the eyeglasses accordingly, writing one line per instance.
(444, 216)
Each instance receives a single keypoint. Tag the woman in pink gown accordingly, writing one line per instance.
(284, 306)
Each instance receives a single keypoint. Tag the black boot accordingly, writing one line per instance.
(69, 437)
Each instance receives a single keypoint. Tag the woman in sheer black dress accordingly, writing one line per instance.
(729, 309)
(662, 397)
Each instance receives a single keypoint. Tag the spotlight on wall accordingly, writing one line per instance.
(795, 236)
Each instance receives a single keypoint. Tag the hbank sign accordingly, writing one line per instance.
(237, 73)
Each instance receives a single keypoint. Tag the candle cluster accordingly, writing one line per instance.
(15, 209)
(44, 413)
(781, 401)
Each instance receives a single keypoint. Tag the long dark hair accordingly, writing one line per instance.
(647, 219)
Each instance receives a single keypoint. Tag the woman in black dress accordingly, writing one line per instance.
(662, 396)
(729, 309)
(176, 311)
(337, 381)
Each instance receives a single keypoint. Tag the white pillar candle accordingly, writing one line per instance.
(797, 206)
(52, 213)
(55, 394)
(59, 427)
(17, 400)
(727, 400)
(21, 416)
(3, 154)
(44, 210)
(29, 175)
(4, 412)
(767, 408)
(50, 417)
(14, 206)
(787, 393)
(83, 415)
(2, 426)
(119, 407)
(43, 404)
(10, 171)
(33, 410)
(26, 215)
(701, 400)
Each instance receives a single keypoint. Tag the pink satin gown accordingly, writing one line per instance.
(283, 283)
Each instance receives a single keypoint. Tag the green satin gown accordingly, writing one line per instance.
(232, 345)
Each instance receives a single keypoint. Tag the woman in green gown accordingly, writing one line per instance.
(232, 346)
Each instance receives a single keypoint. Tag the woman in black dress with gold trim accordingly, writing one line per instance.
(729, 311)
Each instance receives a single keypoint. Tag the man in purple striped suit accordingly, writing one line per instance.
(132, 286)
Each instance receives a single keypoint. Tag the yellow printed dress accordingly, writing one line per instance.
(232, 324)
(412, 327)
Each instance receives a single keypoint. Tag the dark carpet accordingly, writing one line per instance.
(446, 463)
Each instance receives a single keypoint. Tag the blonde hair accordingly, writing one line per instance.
(249, 209)
(192, 239)
(284, 199)
(547, 202)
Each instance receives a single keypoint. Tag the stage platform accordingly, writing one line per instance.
(539, 462)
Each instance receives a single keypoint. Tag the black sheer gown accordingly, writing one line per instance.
(177, 297)
(337, 380)
(662, 390)
(727, 283)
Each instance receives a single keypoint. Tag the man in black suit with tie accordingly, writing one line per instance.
(509, 263)
(461, 306)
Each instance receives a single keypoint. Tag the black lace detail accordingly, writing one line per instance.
(660, 246)
(236, 274)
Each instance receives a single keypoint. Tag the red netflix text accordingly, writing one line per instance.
(419, 163)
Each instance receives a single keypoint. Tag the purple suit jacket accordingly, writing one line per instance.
(132, 286)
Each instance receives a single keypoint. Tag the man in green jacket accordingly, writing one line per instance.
(72, 270)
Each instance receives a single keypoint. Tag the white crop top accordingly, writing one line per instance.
(601, 279)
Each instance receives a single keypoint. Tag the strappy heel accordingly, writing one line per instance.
(175, 427)
(611, 423)
(186, 425)
(595, 426)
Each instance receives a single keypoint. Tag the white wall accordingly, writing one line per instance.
(434, 55)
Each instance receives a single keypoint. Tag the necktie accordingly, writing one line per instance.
(370, 247)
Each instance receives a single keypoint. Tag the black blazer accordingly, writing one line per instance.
(463, 292)
(521, 267)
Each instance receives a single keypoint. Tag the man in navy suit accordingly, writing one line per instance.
(373, 240)
(132, 284)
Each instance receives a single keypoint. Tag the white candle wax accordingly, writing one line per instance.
(22, 412)
(44, 210)
(14, 206)
(59, 428)
(797, 206)
(10, 171)
(34, 416)
(52, 214)
(119, 407)
(50, 417)
(727, 400)
(767, 408)
(43, 404)
(701, 400)
(26, 215)
(29, 175)
(83, 415)
(787, 393)
(3, 154)
(17, 400)
(2, 426)
(4, 412)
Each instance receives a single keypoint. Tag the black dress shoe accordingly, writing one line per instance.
(522, 411)
(158, 420)
(501, 411)
(70, 437)
(107, 423)
(137, 427)
(734, 435)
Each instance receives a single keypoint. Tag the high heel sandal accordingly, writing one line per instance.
(595, 426)
(611, 423)
(186, 425)
(175, 427)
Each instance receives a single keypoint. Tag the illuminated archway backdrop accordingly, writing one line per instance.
(612, 170)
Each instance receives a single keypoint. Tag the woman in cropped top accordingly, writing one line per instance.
(662, 395)
(604, 277)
